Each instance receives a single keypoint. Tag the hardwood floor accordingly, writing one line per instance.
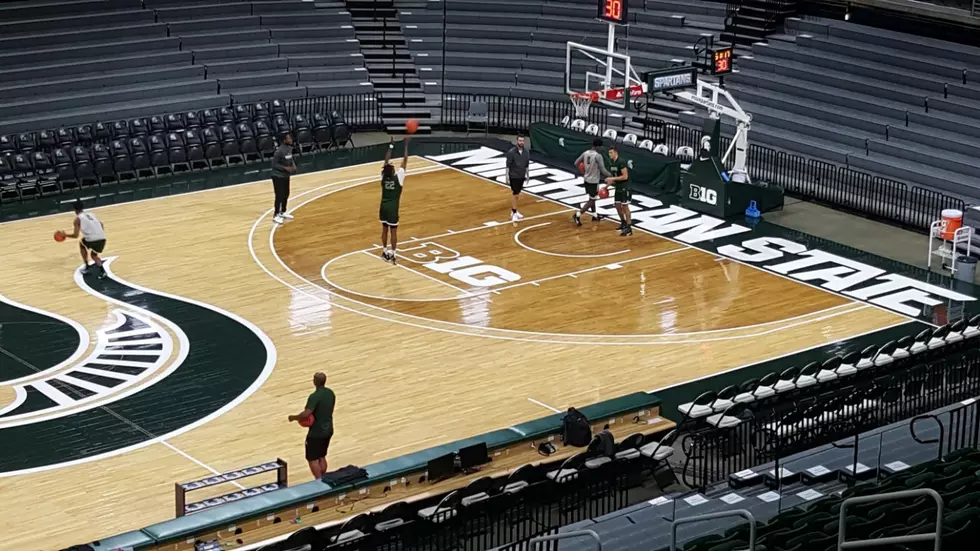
(542, 315)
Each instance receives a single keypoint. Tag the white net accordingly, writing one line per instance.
(581, 102)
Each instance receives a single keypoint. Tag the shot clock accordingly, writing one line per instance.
(721, 61)
(614, 11)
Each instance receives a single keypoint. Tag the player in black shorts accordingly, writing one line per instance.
(619, 167)
(518, 164)
(320, 405)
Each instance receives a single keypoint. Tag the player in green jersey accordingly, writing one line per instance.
(392, 182)
(619, 168)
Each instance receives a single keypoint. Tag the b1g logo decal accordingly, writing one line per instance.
(161, 366)
(704, 195)
(466, 269)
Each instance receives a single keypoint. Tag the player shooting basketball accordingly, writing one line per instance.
(619, 167)
(392, 182)
(593, 167)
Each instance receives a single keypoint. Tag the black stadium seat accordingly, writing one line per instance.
(84, 169)
(139, 154)
(264, 141)
(8, 145)
(65, 137)
(303, 134)
(120, 130)
(260, 111)
(243, 113)
(340, 130)
(195, 156)
(282, 127)
(103, 163)
(159, 156)
(322, 134)
(101, 132)
(137, 127)
(26, 142)
(192, 119)
(121, 163)
(65, 168)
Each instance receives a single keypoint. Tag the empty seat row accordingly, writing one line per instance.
(784, 386)
(72, 162)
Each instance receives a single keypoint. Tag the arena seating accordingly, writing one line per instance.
(487, 53)
(805, 523)
(54, 161)
(902, 106)
(77, 62)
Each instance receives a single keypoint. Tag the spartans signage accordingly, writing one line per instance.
(160, 366)
(777, 255)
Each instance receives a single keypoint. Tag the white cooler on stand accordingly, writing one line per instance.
(955, 238)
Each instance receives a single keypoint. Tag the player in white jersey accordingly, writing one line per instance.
(92, 231)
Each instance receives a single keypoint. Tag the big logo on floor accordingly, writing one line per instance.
(161, 366)
(466, 269)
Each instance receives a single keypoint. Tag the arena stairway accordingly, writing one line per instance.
(884, 453)
(390, 67)
(903, 107)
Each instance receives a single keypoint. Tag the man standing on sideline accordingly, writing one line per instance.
(594, 167)
(320, 405)
(620, 169)
(282, 166)
(518, 163)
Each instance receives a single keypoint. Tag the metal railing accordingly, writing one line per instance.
(567, 535)
(513, 113)
(361, 111)
(713, 516)
(873, 398)
(935, 537)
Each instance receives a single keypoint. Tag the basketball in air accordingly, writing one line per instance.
(412, 126)
(308, 422)
(603, 192)
(581, 167)
(59, 236)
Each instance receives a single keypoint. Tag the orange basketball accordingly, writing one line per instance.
(603, 192)
(581, 167)
(59, 236)
(308, 422)
(412, 126)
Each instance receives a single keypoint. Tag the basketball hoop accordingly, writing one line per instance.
(582, 101)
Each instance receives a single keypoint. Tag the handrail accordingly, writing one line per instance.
(913, 538)
(711, 516)
(566, 535)
(942, 432)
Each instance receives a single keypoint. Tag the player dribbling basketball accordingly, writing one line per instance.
(619, 168)
(392, 182)
(593, 168)
(92, 231)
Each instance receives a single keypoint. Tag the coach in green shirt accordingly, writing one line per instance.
(320, 405)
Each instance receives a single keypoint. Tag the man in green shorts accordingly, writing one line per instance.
(392, 182)
(619, 168)
(320, 405)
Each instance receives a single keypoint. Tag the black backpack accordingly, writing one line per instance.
(575, 429)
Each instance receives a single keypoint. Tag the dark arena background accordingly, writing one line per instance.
(779, 351)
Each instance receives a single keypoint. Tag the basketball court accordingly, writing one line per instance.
(189, 358)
